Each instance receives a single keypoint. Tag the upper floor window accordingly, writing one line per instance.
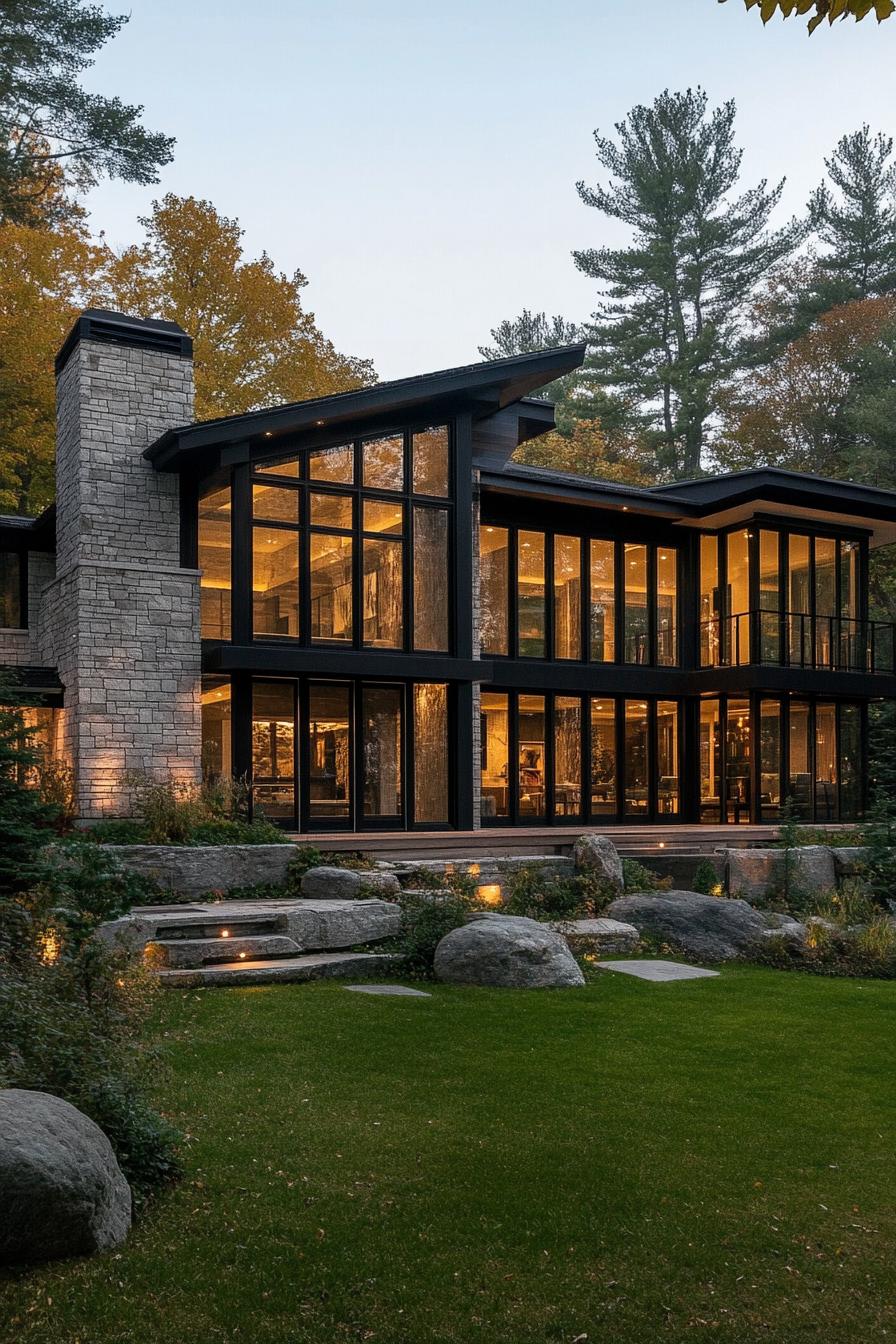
(12, 571)
(215, 562)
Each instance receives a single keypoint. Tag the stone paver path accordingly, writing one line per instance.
(658, 971)
(396, 990)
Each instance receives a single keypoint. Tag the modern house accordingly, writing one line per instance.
(364, 606)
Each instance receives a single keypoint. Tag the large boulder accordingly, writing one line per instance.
(598, 857)
(61, 1190)
(332, 924)
(756, 874)
(710, 927)
(508, 952)
(603, 935)
(346, 884)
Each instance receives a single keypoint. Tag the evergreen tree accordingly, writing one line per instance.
(669, 327)
(47, 119)
(854, 215)
(536, 331)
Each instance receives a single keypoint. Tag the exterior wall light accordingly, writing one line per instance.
(489, 893)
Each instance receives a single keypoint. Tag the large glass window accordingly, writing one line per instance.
(602, 601)
(431, 753)
(769, 597)
(329, 771)
(495, 751)
(636, 796)
(637, 639)
(603, 758)
(331, 587)
(826, 803)
(530, 594)
(333, 464)
(710, 633)
(738, 755)
(530, 726)
(431, 586)
(799, 592)
(275, 581)
(382, 593)
(274, 749)
(217, 738)
(710, 761)
(850, 762)
(382, 463)
(567, 597)
(852, 645)
(275, 505)
(214, 561)
(800, 769)
(667, 606)
(825, 601)
(667, 758)
(769, 760)
(381, 714)
(567, 756)
(738, 613)
(430, 461)
(494, 569)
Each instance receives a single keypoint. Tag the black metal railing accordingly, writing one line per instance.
(796, 639)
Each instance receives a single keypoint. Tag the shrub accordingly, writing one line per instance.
(535, 895)
(426, 920)
(638, 878)
(706, 879)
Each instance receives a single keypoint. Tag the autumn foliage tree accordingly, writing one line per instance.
(820, 11)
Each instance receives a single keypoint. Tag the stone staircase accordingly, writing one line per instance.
(258, 942)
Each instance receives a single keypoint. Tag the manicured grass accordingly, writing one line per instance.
(629, 1162)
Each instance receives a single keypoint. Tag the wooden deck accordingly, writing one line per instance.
(631, 841)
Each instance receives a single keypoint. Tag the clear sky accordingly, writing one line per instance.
(418, 160)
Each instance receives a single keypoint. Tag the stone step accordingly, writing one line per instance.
(287, 970)
(186, 953)
(211, 924)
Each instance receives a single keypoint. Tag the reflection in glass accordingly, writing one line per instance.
(329, 775)
(214, 561)
(769, 597)
(799, 782)
(216, 729)
(825, 601)
(290, 468)
(494, 588)
(431, 802)
(603, 758)
(331, 510)
(381, 748)
(710, 761)
(850, 762)
(383, 515)
(667, 606)
(382, 594)
(737, 761)
(799, 631)
(331, 587)
(636, 796)
(495, 752)
(278, 506)
(383, 463)
(602, 601)
(430, 460)
(333, 464)
(710, 634)
(431, 584)
(530, 730)
(530, 594)
(825, 762)
(667, 757)
(274, 749)
(567, 756)
(852, 650)
(738, 623)
(636, 626)
(769, 760)
(275, 582)
(567, 597)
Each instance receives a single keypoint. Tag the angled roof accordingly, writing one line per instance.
(489, 386)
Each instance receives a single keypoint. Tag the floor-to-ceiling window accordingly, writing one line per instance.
(738, 760)
(602, 600)
(494, 707)
(769, 755)
(567, 756)
(432, 799)
(799, 601)
(329, 756)
(667, 606)
(799, 755)
(381, 751)
(710, 749)
(214, 558)
(667, 804)
(530, 595)
(738, 600)
(636, 625)
(531, 760)
(494, 590)
(217, 729)
(604, 793)
(710, 611)
(567, 597)
(636, 763)
(274, 741)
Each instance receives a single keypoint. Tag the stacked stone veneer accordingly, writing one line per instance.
(21, 648)
(120, 620)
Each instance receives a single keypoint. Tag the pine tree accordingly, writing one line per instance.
(536, 331)
(854, 215)
(668, 329)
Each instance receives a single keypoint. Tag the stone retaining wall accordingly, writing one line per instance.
(197, 870)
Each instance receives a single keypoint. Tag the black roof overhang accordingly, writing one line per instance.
(29, 534)
(560, 489)
(481, 388)
(713, 494)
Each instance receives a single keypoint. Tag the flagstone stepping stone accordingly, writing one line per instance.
(394, 990)
(658, 971)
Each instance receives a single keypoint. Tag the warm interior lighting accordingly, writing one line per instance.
(50, 947)
(489, 893)
(474, 870)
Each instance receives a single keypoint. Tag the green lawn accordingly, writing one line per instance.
(707, 1160)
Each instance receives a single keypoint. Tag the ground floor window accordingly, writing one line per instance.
(332, 755)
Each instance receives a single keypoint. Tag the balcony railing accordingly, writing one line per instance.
(795, 639)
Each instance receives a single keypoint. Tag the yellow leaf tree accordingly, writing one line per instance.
(587, 451)
(254, 343)
(822, 9)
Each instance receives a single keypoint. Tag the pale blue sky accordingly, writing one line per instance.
(418, 161)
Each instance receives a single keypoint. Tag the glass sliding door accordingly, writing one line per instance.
(603, 760)
(531, 765)
(667, 802)
(710, 761)
(636, 796)
(381, 752)
(799, 781)
(274, 790)
(769, 760)
(826, 761)
(432, 803)
(329, 763)
(494, 729)
(567, 756)
(738, 753)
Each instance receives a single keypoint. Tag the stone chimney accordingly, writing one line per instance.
(121, 619)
